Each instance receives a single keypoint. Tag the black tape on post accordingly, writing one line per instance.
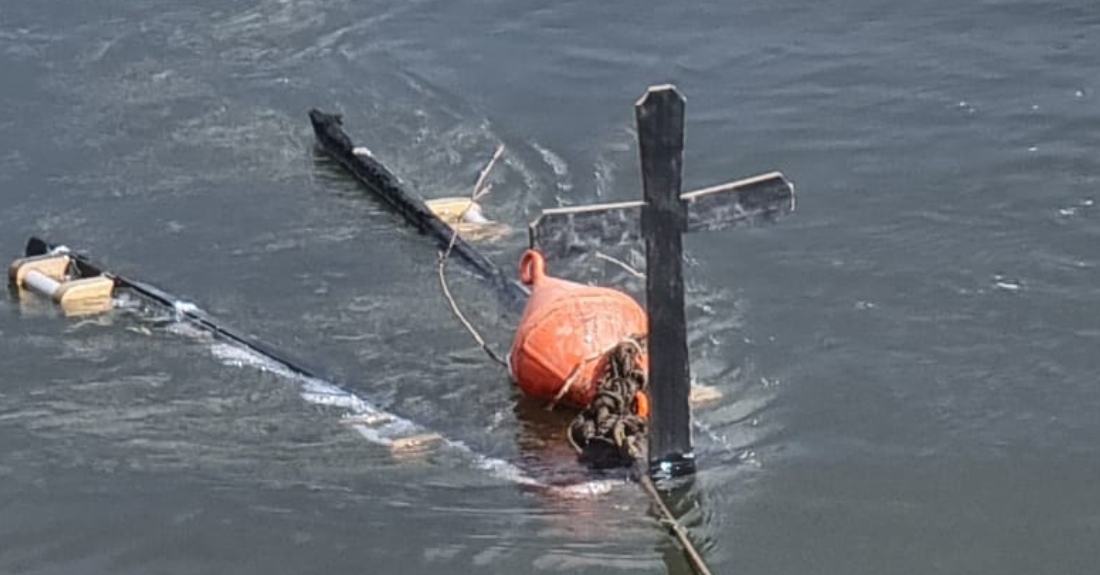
(660, 117)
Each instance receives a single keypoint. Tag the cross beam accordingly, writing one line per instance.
(761, 199)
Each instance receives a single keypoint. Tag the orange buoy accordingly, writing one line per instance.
(565, 332)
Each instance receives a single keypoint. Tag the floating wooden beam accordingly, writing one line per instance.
(386, 186)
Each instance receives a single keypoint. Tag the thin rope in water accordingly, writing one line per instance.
(480, 190)
(674, 527)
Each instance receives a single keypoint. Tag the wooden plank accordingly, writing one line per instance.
(52, 266)
(388, 187)
(85, 296)
(660, 118)
(761, 199)
(465, 217)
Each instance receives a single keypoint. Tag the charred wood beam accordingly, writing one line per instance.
(389, 188)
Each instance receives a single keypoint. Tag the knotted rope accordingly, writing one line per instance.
(611, 431)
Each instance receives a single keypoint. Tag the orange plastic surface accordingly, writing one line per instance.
(564, 333)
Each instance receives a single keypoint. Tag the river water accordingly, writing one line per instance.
(908, 363)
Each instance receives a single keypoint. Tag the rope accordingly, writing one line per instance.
(480, 189)
(674, 527)
(611, 431)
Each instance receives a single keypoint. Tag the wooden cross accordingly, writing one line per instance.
(661, 219)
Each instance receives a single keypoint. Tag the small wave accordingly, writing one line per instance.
(557, 164)
(1007, 284)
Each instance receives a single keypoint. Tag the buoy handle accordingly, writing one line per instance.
(532, 267)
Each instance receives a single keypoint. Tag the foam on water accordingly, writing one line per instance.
(383, 428)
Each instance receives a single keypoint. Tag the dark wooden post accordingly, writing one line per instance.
(660, 117)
